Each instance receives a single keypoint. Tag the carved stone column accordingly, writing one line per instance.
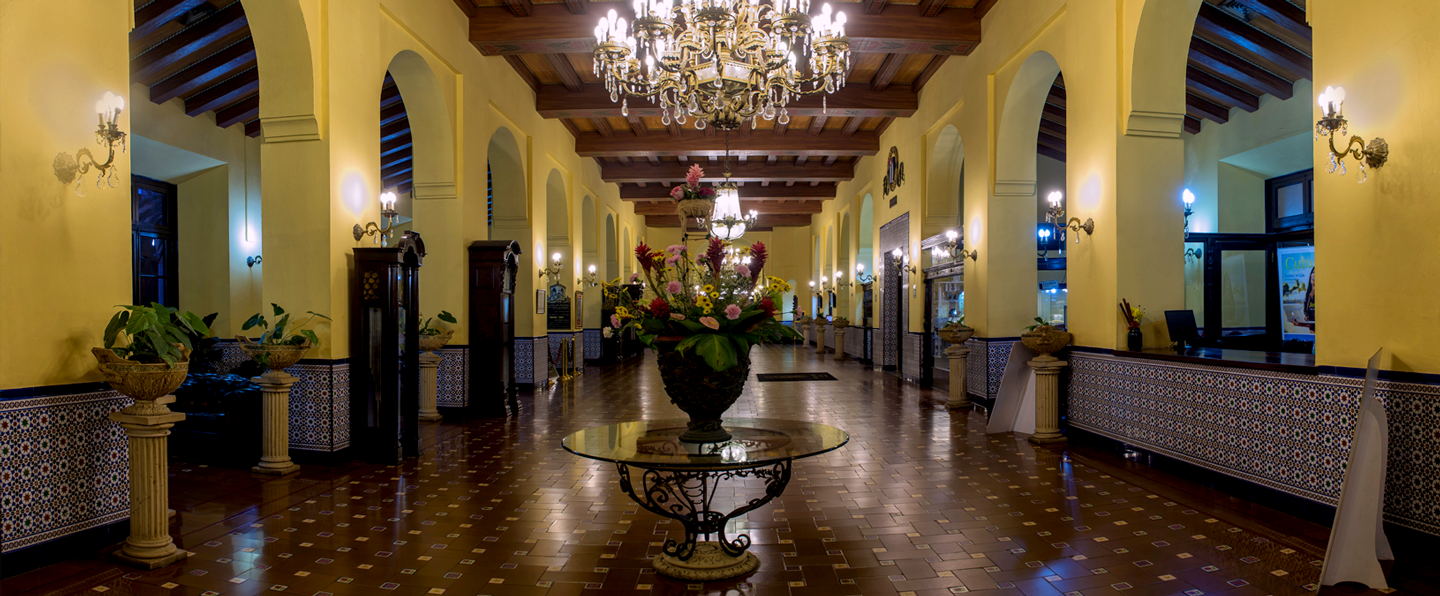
(841, 325)
(429, 386)
(148, 424)
(820, 336)
(959, 359)
(1047, 399)
(275, 440)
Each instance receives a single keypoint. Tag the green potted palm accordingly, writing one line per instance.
(147, 349)
(434, 336)
(702, 315)
(279, 348)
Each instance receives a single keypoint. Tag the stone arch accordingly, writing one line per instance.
(865, 247)
(1020, 125)
(508, 218)
(628, 249)
(612, 261)
(1157, 50)
(944, 195)
(557, 223)
(588, 235)
(842, 262)
(432, 135)
(287, 58)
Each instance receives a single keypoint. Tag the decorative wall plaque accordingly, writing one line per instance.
(558, 304)
(894, 174)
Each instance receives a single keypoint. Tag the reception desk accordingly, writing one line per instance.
(1248, 359)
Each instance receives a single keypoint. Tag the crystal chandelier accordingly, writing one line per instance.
(721, 61)
(726, 222)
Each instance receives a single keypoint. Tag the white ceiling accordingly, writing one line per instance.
(153, 159)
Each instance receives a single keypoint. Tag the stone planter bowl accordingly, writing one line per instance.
(279, 357)
(1046, 340)
(139, 380)
(430, 343)
(840, 323)
(698, 208)
(956, 334)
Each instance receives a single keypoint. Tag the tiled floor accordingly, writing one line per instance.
(920, 502)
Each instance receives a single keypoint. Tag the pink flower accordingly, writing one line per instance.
(634, 277)
(742, 270)
(672, 259)
(732, 312)
(675, 249)
(673, 287)
(710, 322)
(615, 321)
(692, 176)
(677, 316)
(677, 192)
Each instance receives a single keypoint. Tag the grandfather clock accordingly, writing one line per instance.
(385, 351)
(493, 267)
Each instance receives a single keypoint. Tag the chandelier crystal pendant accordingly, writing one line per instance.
(721, 62)
(726, 222)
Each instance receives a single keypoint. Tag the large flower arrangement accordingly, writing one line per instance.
(720, 307)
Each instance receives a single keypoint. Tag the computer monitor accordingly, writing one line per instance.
(1181, 325)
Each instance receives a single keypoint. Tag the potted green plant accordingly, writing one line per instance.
(147, 349)
(956, 332)
(283, 346)
(702, 315)
(434, 336)
(1044, 338)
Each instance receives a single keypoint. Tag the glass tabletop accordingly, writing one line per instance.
(754, 442)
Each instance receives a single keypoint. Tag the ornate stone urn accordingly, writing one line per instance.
(275, 387)
(431, 343)
(696, 208)
(1046, 340)
(956, 333)
(700, 391)
(430, 374)
(147, 423)
(840, 325)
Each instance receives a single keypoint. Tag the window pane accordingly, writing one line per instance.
(152, 289)
(150, 207)
(1290, 200)
(1242, 292)
(152, 256)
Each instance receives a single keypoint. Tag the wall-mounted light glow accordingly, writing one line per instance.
(109, 135)
(1332, 121)
(1189, 199)
(387, 215)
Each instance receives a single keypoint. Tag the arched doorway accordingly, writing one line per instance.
(612, 264)
(865, 269)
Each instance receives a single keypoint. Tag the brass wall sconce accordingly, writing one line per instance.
(387, 215)
(826, 285)
(590, 277)
(1332, 104)
(253, 261)
(1056, 214)
(972, 254)
(1195, 253)
(552, 273)
(863, 279)
(1043, 235)
(1189, 198)
(69, 169)
(842, 285)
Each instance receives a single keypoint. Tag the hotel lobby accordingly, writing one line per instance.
(503, 297)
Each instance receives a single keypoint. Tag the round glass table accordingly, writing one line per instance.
(679, 480)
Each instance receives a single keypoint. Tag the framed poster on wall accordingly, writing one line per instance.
(540, 302)
(1296, 267)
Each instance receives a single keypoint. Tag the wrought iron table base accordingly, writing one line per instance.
(685, 494)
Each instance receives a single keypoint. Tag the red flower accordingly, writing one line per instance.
(758, 254)
(642, 253)
(659, 308)
(767, 305)
(715, 253)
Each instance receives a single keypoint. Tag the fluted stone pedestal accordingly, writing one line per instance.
(840, 344)
(959, 360)
(819, 338)
(275, 442)
(1047, 399)
(148, 423)
(429, 386)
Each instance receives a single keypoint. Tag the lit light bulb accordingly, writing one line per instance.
(387, 201)
(592, 269)
(1055, 198)
(951, 234)
(897, 253)
(555, 257)
(1189, 197)
(860, 268)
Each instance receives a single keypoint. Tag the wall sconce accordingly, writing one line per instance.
(1189, 198)
(842, 285)
(863, 279)
(952, 246)
(1196, 253)
(591, 278)
(108, 135)
(1056, 214)
(1332, 104)
(825, 285)
(1043, 235)
(387, 215)
(253, 261)
(552, 273)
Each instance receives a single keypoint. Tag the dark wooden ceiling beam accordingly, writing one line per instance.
(630, 192)
(224, 93)
(570, 126)
(394, 130)
(396, 143)
(467, 7)
(566, 71)
(602, 127)
(1219, 91)
(625, 161)
(519, 8)
(553, 28)
(852, 125)
(1286, 15)
(1056, 96)
(761, 207)
(1045, 139)
(981, 8)
(151, 17)
(524, 71)
(800, 159)
(215, 67)
(674, 128)
(931, 8)
(1236, 70)
(1057, 130)
(930, 69)
(399, 168)
(1203, 108)
(396, 157)
(874, 6)
(556, 101)
(241, 111)
(1054, 154)
(817, 125)
(780, 128)
(392, 113)
(763, 221)
(389, 95)
(1218, 27)
(195, 40)
(637, 126)
(886, 73)
(575, 6)
(1192, 124)
(753, 171)
(1053, 113)
(252, 128)
(696, 144)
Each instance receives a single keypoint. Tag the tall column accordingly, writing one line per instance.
(1047, 399)
(840, 343)
(429, 386)
(819, 336)
(959, 359)
(275, 441)
(148, 423)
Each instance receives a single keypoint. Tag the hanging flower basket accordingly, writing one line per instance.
(273, 357)
(141, 381)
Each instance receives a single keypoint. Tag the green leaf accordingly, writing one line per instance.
(316, 314)
(687, 343)
(717, 351)
(310, 335)
(447, 317)
(693, 326)
(278, 335)
(117, 323)
(255, 320)
(278, 311)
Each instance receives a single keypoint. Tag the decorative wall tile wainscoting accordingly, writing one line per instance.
(1287, 432)
(986, 364)
(592, 347)
(454, 374)
(64, 466)
(528, 368)
(910, 356)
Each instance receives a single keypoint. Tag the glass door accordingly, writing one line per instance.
(1240, 280)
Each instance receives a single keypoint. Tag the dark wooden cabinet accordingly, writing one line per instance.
(385, 351)
(492, 270)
